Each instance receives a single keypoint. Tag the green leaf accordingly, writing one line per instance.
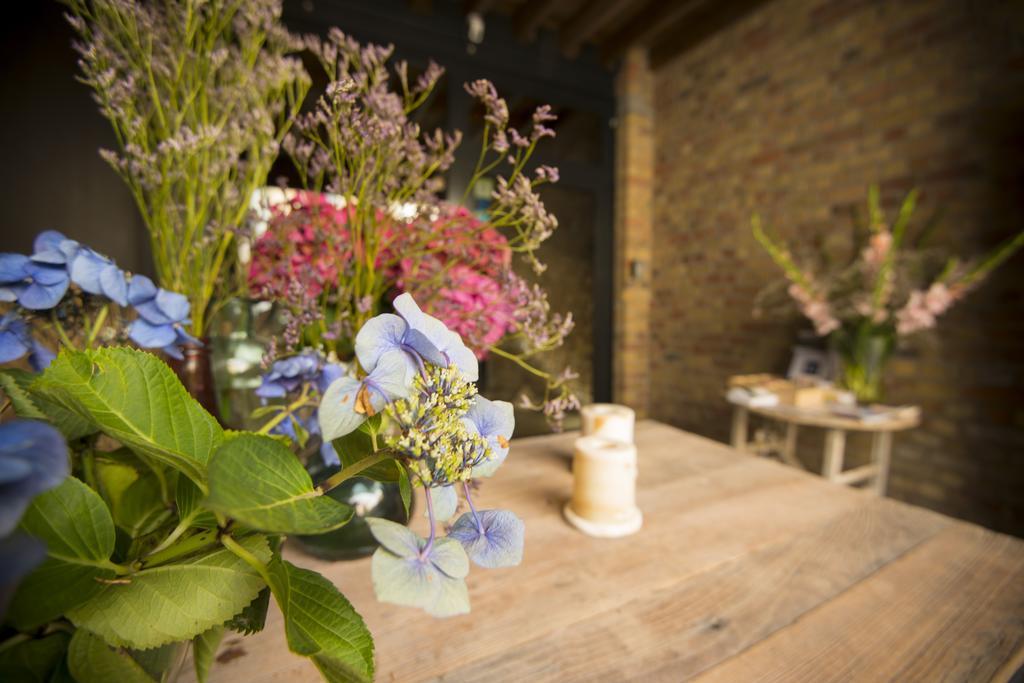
(93, 661)
(33, 660)
(261, 483)
(52, 589)
(174, 602)
(188, 499)
(353, 447)
(16, 384)
(114, 478)
(253, 618)
(134, 397)
(158, 661)
(76, 526)
(140, 509)
(358, 445)
(74, 523)
(204, 647)
(404, 486)
(322, 625)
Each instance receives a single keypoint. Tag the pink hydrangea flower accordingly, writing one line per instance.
(306, 241)
(460, 279)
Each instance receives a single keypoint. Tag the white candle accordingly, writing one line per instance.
(609, 421)
(603, 499)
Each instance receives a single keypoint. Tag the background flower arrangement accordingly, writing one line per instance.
(887, 290)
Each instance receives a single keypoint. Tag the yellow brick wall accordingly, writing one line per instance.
(793, 111)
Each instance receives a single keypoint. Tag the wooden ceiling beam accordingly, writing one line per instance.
(656, 18)
(698, 27)
(589, 20)
(531, 15)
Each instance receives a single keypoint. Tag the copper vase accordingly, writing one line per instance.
(195, 371)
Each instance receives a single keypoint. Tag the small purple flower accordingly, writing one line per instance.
(495, 421)
(33, 459)
(289, 374)
(387, 333)
(162, 317)
(438, 336)
(491, 538)
(349, 401)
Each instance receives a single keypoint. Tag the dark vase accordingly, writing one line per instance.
(195, 371)
(368, 498)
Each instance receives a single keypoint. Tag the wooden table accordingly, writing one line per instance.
(745, 570)
(876, 473)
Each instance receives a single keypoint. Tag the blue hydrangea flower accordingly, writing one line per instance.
(36, 285)
(92, 272)
(349, 401)
(492, 538)
(289, 374)
(33, 459)
(495, 421)
(16, 340)
(39, 282)
(420, 337)
(97, 274)
(162, 317)
(446, 341)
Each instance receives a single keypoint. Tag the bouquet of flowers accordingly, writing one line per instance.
(886, 291)
(134, 527)
(369, 225)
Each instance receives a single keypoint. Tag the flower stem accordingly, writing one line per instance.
(97, 326)
(300, 402)
(16, 639)
(472, 508)
(182, 527)
(186, 547)
(60, 330)
(425, 552)
(520, 362)
(352, 470)
(250, 559)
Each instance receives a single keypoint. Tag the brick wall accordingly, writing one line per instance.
(793, 111)
(634, 150)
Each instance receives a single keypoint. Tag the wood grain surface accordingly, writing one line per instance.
(745, 570)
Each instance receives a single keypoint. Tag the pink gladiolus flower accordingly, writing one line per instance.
(877, 250)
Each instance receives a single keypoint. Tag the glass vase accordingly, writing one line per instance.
(863, 353)
(368, 498)
(241, 333)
